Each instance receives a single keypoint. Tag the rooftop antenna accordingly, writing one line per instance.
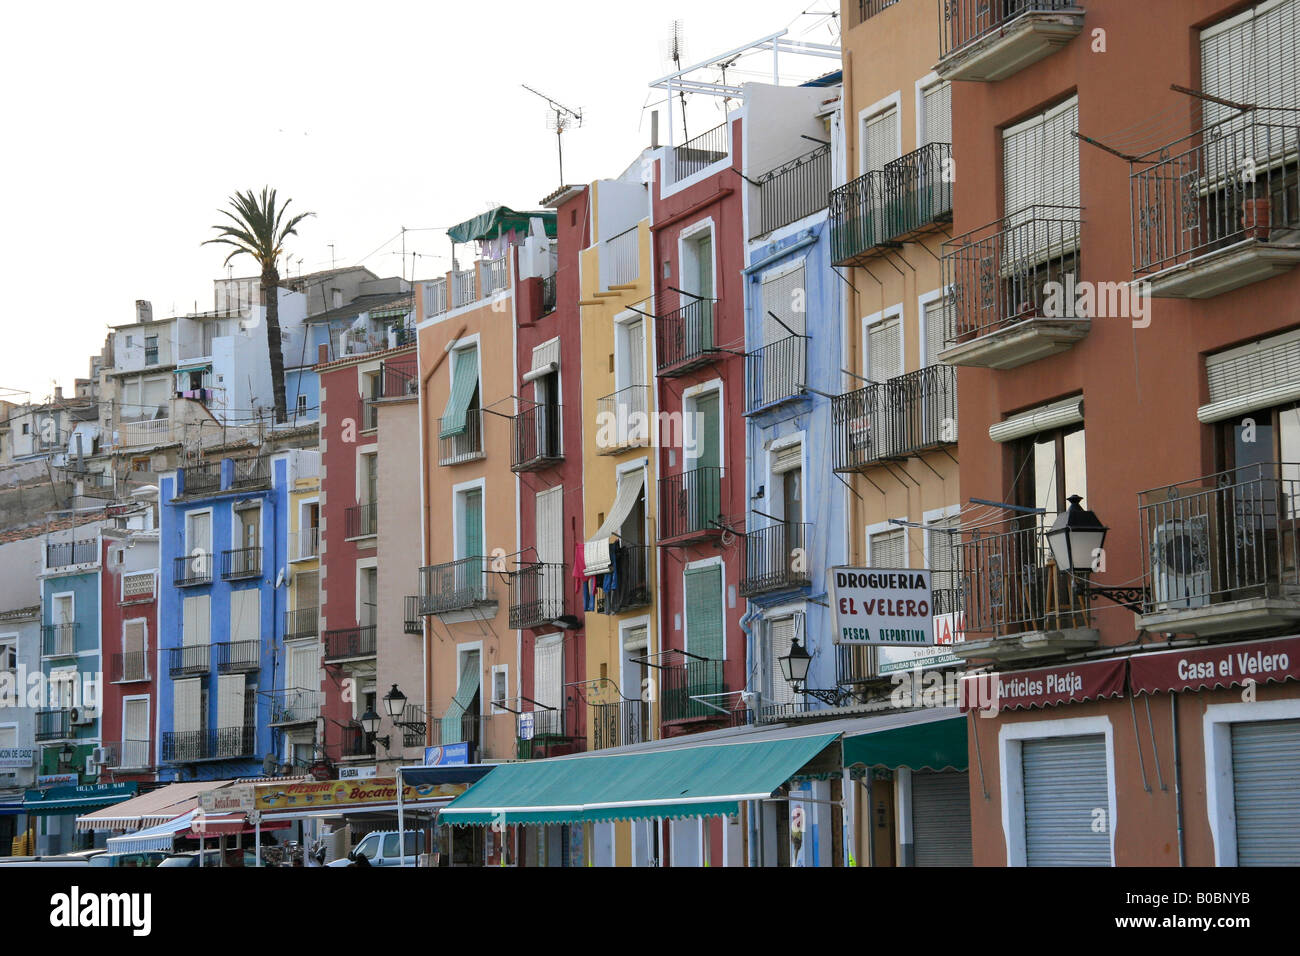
(724, 65)
(331, 245)
(676, 48)
(559, 119)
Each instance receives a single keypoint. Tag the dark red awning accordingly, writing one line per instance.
(1219, 665)
(227, 824)
(1044, 686)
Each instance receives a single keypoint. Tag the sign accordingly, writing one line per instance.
(1223, 665)
(55, 779)
(451, 755)
(948, 629)
(310, 795)
(1045, 686)
(889, 607)
(199, 823)
(358, 773)
(233, 799)
(86, 793)
(526, 725)
(17, 756)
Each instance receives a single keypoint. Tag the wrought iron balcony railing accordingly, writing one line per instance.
(776, 559)
(367, 413)
(700, 152)
(623, 420)
(304, 544)
(537, 595)
(361, 521)
(681, 684)
(192, 570)
(1007, 581)
(234, 657)
(201, 479)
(54, 724)
(456, 585)
(903, 416)
(399, 378)
(691, 504)
(633, 587)
(295, 705)
(241, 563)
(792, 191)
(536, 438)
(345, 643)
(64, 554)
(220, 743)
(132, 754)
(776, 372)
(548, 294)
(466, 446)
(621, 258)
(303, 622)
(888, 206)
(863, 10)
(412, 620)
(686, 338)
(964, 22)
(130, 666)
(547, 733)
(59, 640)
(250, 472)
(189, 660)
(620, 723)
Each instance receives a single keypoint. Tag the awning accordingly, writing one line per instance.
(546, 360)
(148, 809)
(64, 800)
(452, 729)
(465, 773)
(161, 837)
(1219, 665)
(227, 824)
(496, 222)
(688, 781)
(596, 550)
(1044, 686)
(919, 740)
(1043, 418)
(463, 383)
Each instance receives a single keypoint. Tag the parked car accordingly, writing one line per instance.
(58, 860)
(210, 858)
(380, 848)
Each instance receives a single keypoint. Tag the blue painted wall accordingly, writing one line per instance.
(84, 586)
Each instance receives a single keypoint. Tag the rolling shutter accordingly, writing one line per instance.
(245, 606)
(941, 548)
(934, 332)
(1040, 160)
(936, 114)
(704, 612)
(880, 140)
(550, 549)
(1252, 376)
(200, 534)
(548, 684)
(1252, 58)
(546, 360)
(783, 294)
(303, 665)
(306, 590)
(780, 635)
(230, 701)
(1065, 782)
(889, 549)
(1266, 792)
(596, 550)
(135, 734)
(787, 459)
(636, 354)
(464, 382)
(196, 620)
(941, 819)
(884, 350)
(186, 697)
(134, 665)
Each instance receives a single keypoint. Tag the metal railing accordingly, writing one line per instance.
(853, 664)
(535, 435)
(468, 445)
(354, 742)
(496, 275)
(295, 705)
(633, 588)
(250, 472)
(132, 754)
(345, 642)
(130, 666)
(235, 657)
(1226, 537)
(963, 22)
(796, 189)
(304, 544)
(435, 297)
(204, 479)
(620, 723)
(686, 337)
(886, 206)
(700, 152)
(415, 723)
(776, 372)
(398, 379)
(537, 595)
(412, 620)
(59, 640)
(54, 724)
(1007, 582)
(679, 683)
(220, 743)
(894, 419)
(456, 585)
(361, 520)
(304, 622)
(189, 660)
(65, 554)
(929, 398)
(464, 289)
(553, 733)
(623, 420)
(402, 336)
(193, 569)
(548, 294)
(621, 257)
(154, 431)
(367, 414)
(151, 355)
(776, 558)
(1235, 180)
(691, 503)
(241, 563)
(998, 273)
(864, 10)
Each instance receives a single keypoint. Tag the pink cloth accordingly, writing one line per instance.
(579, 566)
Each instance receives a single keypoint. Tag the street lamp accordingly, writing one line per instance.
(370, 726)
(1076, 536)
(794, 667)
(395, 704)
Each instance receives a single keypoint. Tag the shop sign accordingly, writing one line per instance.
(55, 779)
(233, 799)
(345, 794)
(358, 773)
(948, 629)
(1044, 686)
(17, 756)
(1223, 665)
(890, 607)
(452, 755)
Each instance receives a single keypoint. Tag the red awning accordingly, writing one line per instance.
(227, 824)
(1044, 686)
(1221, 665)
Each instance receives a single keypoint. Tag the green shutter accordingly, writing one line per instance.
(453, 731)
(704, 612)
(463, 382)
(473, 524)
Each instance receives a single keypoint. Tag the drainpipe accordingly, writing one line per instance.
(1178, 774)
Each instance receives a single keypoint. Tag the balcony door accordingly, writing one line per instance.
(706, 493)
(196, 635)
(198, 542)
(187, 718)
(470, 573)
(135, 733)
(548, 686)
(550, 551)
(133, 650)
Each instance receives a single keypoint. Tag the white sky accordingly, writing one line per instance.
(127, 125)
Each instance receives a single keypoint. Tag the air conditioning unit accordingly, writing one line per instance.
(92, 768)
(101, 756)
(1180, 563)
(81, 716)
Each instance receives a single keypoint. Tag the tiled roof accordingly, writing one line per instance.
(52, 524)
(365, 303)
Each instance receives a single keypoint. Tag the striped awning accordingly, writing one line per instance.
(463, 383)
(596, 550)
(452, 732)
(159, 838)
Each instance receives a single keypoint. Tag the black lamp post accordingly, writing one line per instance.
(370, 726)
(794, 667)
(394, 703)
(1076, 536)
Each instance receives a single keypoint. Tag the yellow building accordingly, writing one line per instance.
(298, 706)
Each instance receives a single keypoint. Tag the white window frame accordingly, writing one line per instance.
(689, 236)
(922, 301)
(924, 85)
(121, 583)
(689, 398)
(769, 476)
(498, 669)
(10, 639)
(881, 527)
(894, 101)
(458, 515)
(462, 652)
(212, 529)
(892, 312)
(365, 564)
(236, 542)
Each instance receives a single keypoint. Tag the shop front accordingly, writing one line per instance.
(54, 812)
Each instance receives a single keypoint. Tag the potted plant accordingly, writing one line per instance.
(1256, 216)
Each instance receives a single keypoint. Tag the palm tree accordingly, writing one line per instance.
(258, 228)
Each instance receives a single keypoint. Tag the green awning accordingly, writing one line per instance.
(76, 799)
(452, 730)
(688, 781)
(464, 380)
(496, 222)
(933, 745)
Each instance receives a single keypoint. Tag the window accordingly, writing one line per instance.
(151, 350)
(500, 687)
(885, 348)
(888, 549)
(1049, 468)
(302, 405)
(198, 533)
(9, 654)
(134, 656)
(368, 598)
(1040, 161)
(1252, 58)
(936, 113)
(941, 555)
(880, 140)
(368, 493)
(704, 615)
(336, 298)
(470, 514)
(248, 525)
(462, 398)
(548, 685)
(781, 632)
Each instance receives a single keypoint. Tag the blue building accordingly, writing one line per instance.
(224, 535)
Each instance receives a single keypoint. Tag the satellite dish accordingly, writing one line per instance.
(279, 579)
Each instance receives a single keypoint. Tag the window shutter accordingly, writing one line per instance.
(185, 705)
(133, 637)
(135, 734)
(936, 113)
(196, 620)
(550, 525)
(880, 140)
(636, 639)
(636, 354)
(306, 590)
(1040, 160)
(780, 635)
(303, 665)
(464, 381)
(704, 612)
(885, 350)
(245, 607)
(230, 700)
(473, 538)
(788, 458)
(1252, 58)
(200, 534)
(934, 331)
(780, 294)
(1253, 376)
(889, 549)
(548, 672)
(941, 547)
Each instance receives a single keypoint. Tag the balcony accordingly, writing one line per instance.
(464, 290)
(295, 705)
(620, 723)
(399, 379)
(989, 40)
(456, 586)
(776, 559)
(686, 339)
(129, 667)
(884, 208)
(192, 570)
(361, 521)
(412, 620)
(367, 414)
(895, 419)
(354, 744)
(151, 355)
(548, 294)
(535, 438)
(223, 743)
(633, 588)
(304, 622)
(67, 554)
(58, 640)
(131, 754)
(691, 506)
(853, 665)
(304, 544)
(496, 275)
(776, 373)
(241, 563)
(465, 446)
(189, 660)
(238, 657)
(1200, 225)
(1016, 603)
(155, 431)
(623, 420)
(537, 593)
(792, 191)
(349, 643)
(55, 724)
(680, 683)
(1221, 554)
(250, 473)
(435, 298)
(202, 479)
(699, 153)
(547, 733)
(863, 10)
(1010, 283)
(620, 259)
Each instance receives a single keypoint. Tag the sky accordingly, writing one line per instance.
(128, 125)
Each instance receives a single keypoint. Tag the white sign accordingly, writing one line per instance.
(198, 823)
(948, 629)
(526, 725)
(357, 773)
(17, 756)
(882, 606)
(231, 799)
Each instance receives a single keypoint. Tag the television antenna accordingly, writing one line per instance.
(676, 51)
(559, 119)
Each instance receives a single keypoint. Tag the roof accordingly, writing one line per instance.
(365, 303)
(149, 809)
(562, 195)
(362, 357)
(51, 524)
(833, 78)
(496, 222)
(292, 282)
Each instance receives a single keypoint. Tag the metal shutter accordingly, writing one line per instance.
(548, 683)
(1266, 792)
(787, 459)
(230, 700)
(889, 549)
(941, 819)
(245, 606)
(936, 114)
(1256, 375)
(783, 294)
(1252, 58)
(704, 612)
(884, 350)
(934, 332)
(780, 634)
(196, 620)
(1065, 782)
(1040, 160)
(880, 140)
(186, 697)
(635, 355)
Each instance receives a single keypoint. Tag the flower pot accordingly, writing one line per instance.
(1256, 215)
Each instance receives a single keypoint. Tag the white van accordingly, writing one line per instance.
(380, 848)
